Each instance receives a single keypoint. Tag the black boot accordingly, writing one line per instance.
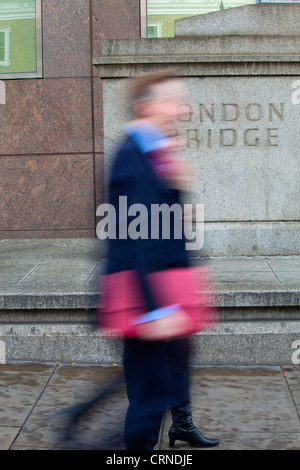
(183, 429)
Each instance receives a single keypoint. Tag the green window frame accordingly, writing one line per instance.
(4, 46)
(21, 39)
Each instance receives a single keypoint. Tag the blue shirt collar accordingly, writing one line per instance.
(147, 136)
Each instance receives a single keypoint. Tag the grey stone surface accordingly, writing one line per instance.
(185, 50)
(59, 342)
(68, 386)
(242, 142)
(20, 389)
(255, 424)
(247, 408)
(244, 20)
(7, 436)
(247, 343)
(251, 239)
(201, 56)
(40, 251)
(243, 173)
(247, 279)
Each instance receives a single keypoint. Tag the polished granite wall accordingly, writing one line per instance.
(51, 143)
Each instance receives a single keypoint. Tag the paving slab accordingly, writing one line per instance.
(240, 265)
(247, 408)
(21, 388)
(74, 272)
(48, 250)
(293, 381)
(70, 385)
(12, 275)
(244, 408)
(7, 436)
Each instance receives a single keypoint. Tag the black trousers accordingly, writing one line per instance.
(157, 377)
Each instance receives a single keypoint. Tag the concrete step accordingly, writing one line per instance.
(49, 295)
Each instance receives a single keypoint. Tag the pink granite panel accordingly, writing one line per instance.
(66, 38)
(47, 192)
(46, 116)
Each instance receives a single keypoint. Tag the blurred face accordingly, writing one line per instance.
(165, 108)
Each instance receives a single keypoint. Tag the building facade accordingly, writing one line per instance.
(51, 153)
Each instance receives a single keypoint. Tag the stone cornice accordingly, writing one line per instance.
(201, 56)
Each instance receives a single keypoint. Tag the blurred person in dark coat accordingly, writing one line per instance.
(146, 172)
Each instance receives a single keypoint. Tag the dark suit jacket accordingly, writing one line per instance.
(132, 176)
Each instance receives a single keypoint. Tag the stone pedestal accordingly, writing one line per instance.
(241, 126)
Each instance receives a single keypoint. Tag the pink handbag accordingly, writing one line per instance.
(122, 299)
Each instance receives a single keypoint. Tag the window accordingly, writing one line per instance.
(20, 39)
(167, 11)
(4, 46)
(154, 29)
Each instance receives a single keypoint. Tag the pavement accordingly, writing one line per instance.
(64, 273)
(247, 408)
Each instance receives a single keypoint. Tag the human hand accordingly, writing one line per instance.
(166, 328)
